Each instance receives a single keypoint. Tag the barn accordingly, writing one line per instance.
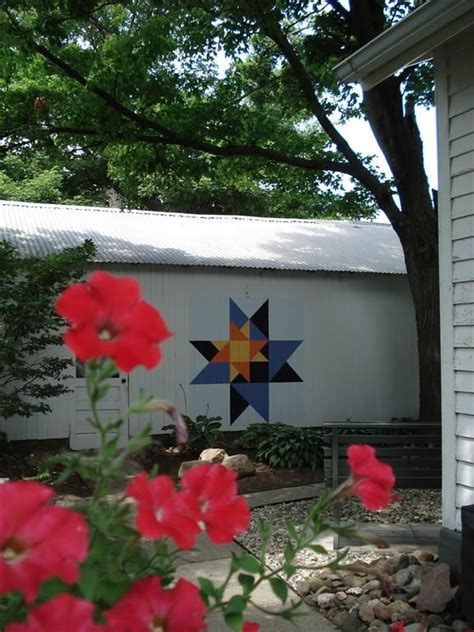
(274, 320)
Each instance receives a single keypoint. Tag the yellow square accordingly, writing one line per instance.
(239, 351)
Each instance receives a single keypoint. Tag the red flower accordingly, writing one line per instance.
(37, 541)
(373, 480)
(214, 487)
(250, 626)
(147, 606)
(60, 614)
(397, 627)
(109, 320)
(162, 511)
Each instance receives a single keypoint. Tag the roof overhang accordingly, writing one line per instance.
(410, 41)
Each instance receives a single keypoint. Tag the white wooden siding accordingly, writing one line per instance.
(455, 84)
(358, 358)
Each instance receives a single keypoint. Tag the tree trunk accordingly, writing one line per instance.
(424, 284)
(396, 130)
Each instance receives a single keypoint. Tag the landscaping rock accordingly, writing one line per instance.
(366, 613)
(187, 465)
(435, 592)
(241, 464)
(213, 455)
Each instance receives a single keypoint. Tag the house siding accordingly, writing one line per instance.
(456, 141)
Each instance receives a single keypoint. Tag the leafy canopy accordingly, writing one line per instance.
(129, 94)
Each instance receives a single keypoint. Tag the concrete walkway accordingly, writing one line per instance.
(213, 562)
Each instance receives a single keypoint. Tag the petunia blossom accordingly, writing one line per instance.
(398, 626)
(147, 606)
(110, 320)
(214, 487)
(162, 511)
(372, 480)
(63, 613)
(37, 541)
(251, 626)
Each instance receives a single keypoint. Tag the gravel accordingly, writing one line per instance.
(414, 506)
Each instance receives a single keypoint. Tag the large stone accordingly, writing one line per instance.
(315, 583)
(213, 455)
(187, 465)
(435, 592)
(403, 576)
(241, 464)
(366, 613)
(326, 600)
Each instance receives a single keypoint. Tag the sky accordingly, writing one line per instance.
(360, 137)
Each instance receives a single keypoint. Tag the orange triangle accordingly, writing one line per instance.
(243, 368)
(235, 333)
(256, 346)
(223, 355)
(233, 372)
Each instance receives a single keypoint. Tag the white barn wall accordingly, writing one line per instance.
(456, 216)
(358, 358)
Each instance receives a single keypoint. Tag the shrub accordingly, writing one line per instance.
(283, 446)
(203, 431)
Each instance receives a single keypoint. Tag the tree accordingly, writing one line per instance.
(137, 84)
(29, 327)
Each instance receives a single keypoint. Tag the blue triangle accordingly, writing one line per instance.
(213, 373)
(236, 315)
(255, 333)
(278, 353)
(256, 395)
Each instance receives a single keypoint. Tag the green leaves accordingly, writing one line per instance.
(283, 446)
(29, 288)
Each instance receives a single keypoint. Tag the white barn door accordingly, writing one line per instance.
(115, 403)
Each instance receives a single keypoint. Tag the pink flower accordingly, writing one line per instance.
(373, 481)
(214, 488)
(250, 626)
(147, 606)
(162, 511)
(37, 541)
(60, 614)
(109, 320)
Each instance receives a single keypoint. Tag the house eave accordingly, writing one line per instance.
(410, 41)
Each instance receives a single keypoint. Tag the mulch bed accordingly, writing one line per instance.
(28, 459)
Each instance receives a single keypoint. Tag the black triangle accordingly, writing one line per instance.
(286, 374)
(205, 348)
(260, 319)
(237, 405)
(264, 351)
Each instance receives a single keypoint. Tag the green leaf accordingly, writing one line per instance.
(279, 587)
(234, 620)
(248, 563)
(247, 582)
(236, 605)
(207, 587)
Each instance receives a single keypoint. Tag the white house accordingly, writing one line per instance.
(274, 320)
(444, 30)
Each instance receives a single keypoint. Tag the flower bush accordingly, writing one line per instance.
(109, 564)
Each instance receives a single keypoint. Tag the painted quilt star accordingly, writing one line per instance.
(249, 361)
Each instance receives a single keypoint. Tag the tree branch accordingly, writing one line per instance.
(224, 151)
(382, 193)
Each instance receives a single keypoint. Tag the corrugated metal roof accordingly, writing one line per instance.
(203, 240)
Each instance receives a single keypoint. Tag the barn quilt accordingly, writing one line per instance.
(248, 361)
